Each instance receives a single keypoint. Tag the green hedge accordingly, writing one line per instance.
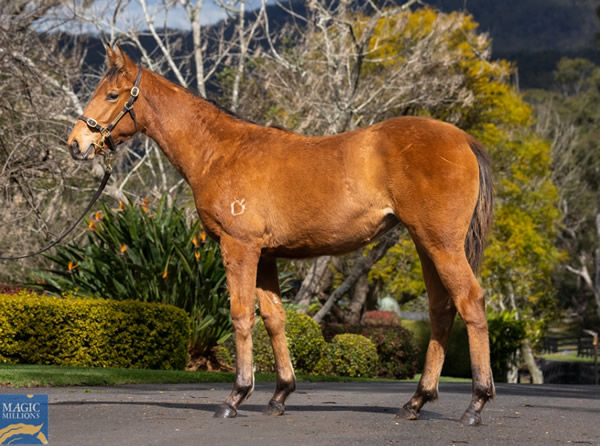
(37, 329)
(349, 354)
(506, 334)
(458, 361)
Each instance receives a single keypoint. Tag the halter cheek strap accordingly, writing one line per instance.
(107, 139)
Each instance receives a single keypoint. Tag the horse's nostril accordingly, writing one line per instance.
(74, 149)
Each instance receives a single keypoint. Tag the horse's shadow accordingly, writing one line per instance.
(257, 408)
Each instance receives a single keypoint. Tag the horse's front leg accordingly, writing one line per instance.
(271, 310)
(240, 261)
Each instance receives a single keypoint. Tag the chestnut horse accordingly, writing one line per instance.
(264, 193)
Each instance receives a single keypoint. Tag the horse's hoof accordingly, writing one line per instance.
(274, 408)
(471, 418)
(408, 413)
(225, 411)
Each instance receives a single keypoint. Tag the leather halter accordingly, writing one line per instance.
(107, 142)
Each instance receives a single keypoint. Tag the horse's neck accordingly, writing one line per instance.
(189, 130)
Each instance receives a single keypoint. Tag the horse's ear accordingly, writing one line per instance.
(124, 62)
(113, 59)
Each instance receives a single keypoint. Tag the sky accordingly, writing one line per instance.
(176, 16)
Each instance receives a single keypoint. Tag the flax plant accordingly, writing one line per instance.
(152, 255)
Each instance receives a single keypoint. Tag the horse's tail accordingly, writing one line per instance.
(483, 213)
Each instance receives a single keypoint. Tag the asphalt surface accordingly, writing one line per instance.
(319, 414)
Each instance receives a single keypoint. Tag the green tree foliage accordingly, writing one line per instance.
(522, 254)
(152, 255)
(569, 116)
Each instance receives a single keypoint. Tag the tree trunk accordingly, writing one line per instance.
(359, 298)
(512, 376)
(315, 282)
(537, 377)
(596, 284)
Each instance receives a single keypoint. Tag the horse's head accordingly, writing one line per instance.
(109, 118)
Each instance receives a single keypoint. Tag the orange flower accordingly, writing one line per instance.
(195, 242)
(72, 266)
(98, 215)
(144, 204)
(164, 274)
(203, 236)
(92, 226)
(197, 255)
(123, 249)
(120, 208)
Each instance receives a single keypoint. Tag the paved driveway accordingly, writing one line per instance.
(319, 414)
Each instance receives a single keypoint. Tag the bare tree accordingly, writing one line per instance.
(38, 179)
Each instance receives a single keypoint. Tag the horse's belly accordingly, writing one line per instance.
(334, 237)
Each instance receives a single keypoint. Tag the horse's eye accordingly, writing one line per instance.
(112, 96)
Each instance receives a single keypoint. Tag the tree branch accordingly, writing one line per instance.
(362, 266)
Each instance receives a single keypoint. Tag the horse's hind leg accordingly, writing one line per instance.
(471, 307)
(441, 315)
(457, 277)
(271, 310)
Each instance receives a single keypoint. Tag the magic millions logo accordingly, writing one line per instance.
(23, 419)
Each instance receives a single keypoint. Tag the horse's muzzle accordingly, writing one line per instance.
(77, 154)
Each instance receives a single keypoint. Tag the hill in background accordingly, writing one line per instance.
(535, 34)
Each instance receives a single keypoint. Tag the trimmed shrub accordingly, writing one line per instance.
(396, 346)
(349, 355)
(36, 329)
(305, 342)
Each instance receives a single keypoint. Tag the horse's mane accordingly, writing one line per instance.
(114, 71)
(236, 116)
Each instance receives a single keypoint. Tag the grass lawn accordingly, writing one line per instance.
(25, 375)
(21, 375)
(566, 357)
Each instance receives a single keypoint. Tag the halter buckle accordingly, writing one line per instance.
(135, 91)
(91, 122)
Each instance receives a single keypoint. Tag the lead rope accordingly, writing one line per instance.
(107, 172)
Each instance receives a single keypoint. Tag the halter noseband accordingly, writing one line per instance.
(107, 141)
